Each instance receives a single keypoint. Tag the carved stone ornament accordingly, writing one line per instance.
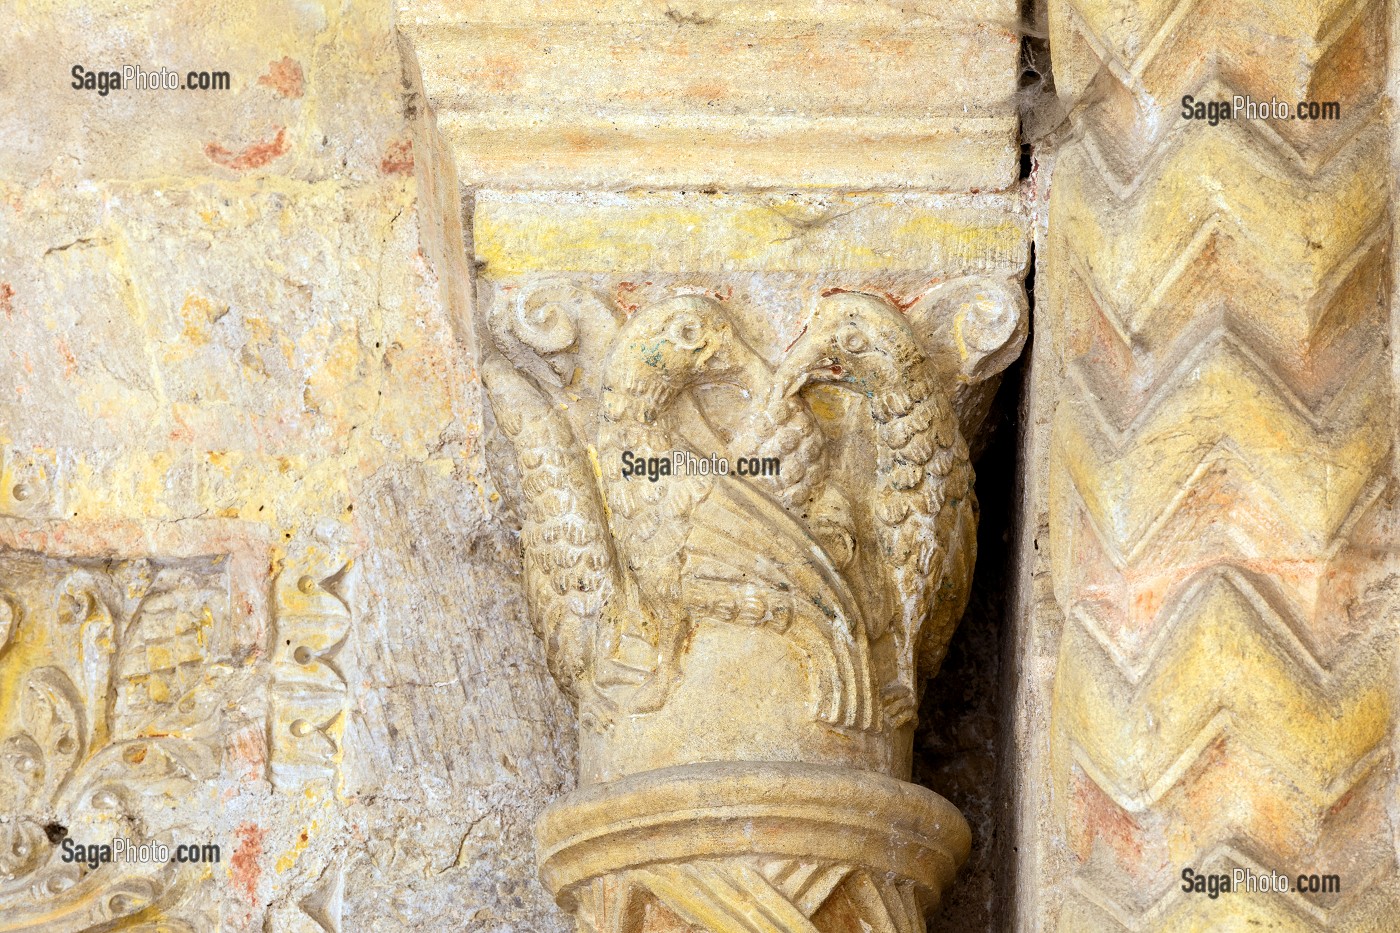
(745, 550)
(111, 721)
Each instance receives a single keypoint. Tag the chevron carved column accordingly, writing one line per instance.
(1221, 498)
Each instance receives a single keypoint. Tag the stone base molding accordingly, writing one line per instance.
(752, 847)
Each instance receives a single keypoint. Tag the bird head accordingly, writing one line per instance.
(855, 341)
(688, 340)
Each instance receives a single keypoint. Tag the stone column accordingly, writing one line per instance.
(746, 277)
(1220, 498)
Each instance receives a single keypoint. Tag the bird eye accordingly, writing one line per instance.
(686, 331)
(853, 341)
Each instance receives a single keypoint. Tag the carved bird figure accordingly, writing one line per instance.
(714, 547)
(576, 597)
(784, 429)
(923, 505)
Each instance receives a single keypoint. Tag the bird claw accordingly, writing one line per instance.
(651, 695)
(900, 705)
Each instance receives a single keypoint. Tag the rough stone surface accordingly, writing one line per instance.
(257, 586)
(243, 493)
(260, 550)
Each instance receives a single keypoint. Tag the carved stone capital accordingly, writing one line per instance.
(743, 423)
(742, 431)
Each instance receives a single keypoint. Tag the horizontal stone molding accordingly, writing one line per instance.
(650, 94)
(517, 233)
(727, 809)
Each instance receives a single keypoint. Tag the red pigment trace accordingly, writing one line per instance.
(255, 156)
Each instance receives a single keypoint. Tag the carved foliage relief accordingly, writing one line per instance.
(113, 681)
(197, 697)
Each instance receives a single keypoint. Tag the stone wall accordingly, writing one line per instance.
(256, 586)
(260, 535)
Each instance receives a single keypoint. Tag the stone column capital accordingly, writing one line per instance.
(747, 275)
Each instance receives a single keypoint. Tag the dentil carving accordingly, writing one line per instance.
(743, 562)
(309, 692)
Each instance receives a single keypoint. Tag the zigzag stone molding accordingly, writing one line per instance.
(1221, 475)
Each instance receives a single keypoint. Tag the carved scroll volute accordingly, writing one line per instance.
(741, 552)
(974, 328)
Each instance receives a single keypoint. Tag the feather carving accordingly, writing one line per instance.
(922, 499)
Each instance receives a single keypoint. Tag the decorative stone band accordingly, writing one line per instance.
(722, 93)
(751, 846)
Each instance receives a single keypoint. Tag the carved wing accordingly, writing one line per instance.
(570, 568)
(926, 514)
(784, 428)
(957, 525)
(746, 561)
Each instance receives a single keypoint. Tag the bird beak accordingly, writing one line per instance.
(803, 364)
(735, 361)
